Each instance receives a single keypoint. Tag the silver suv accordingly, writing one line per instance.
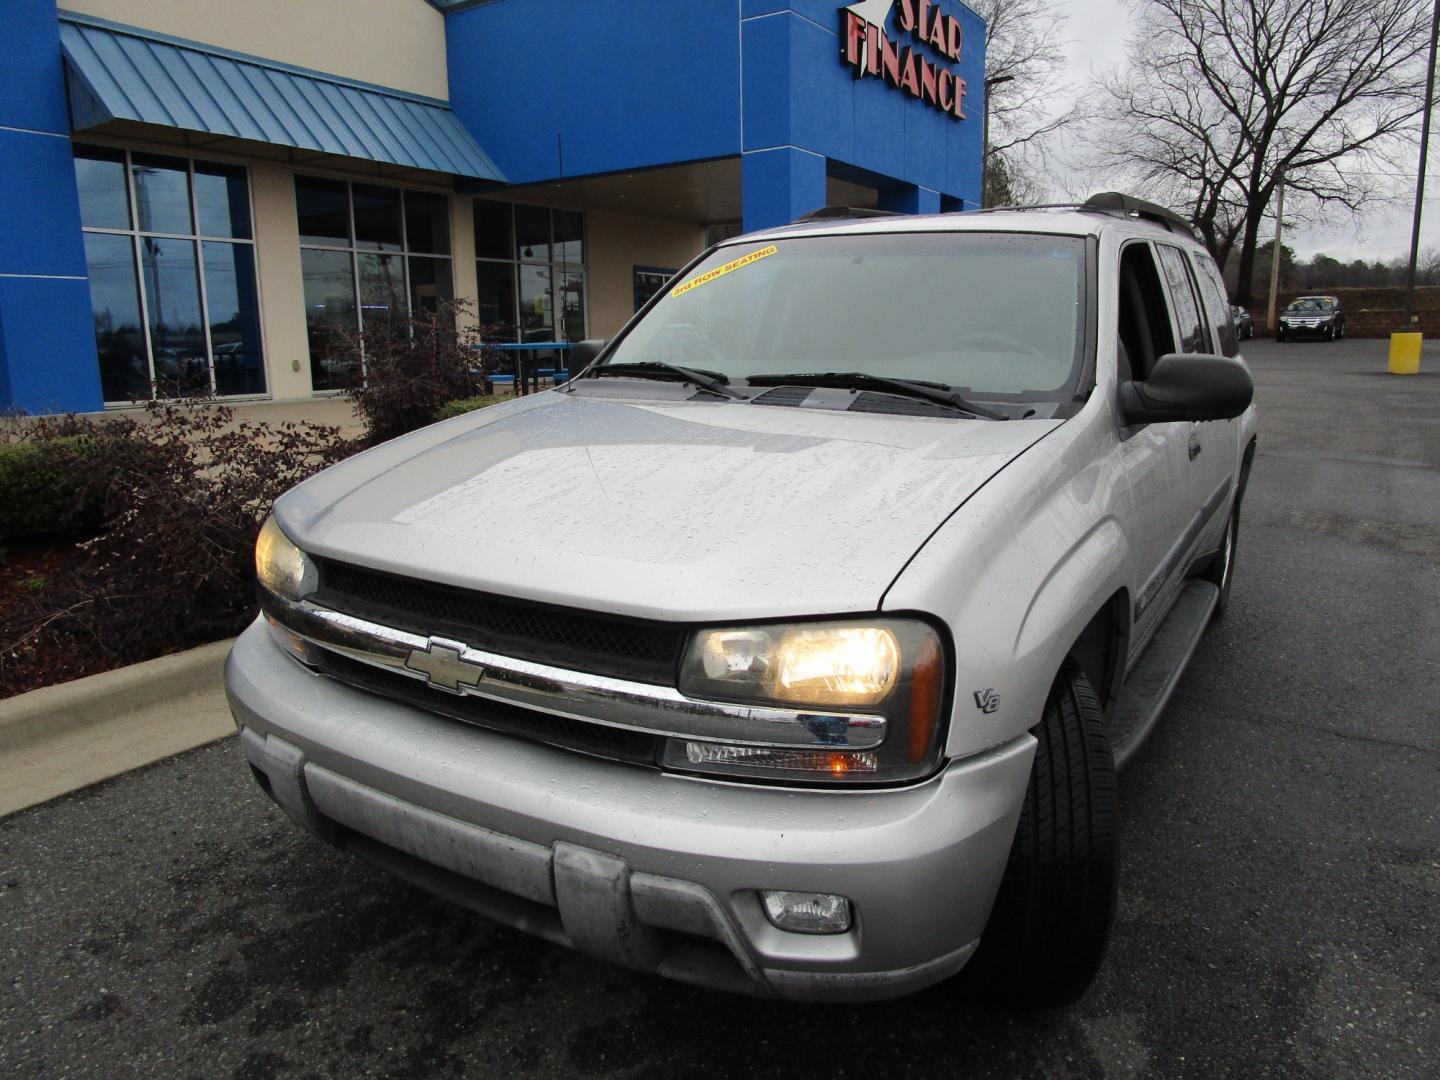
(792, 647)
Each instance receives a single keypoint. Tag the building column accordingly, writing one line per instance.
(780, 185)
(909, 199)
(47, 336)
(282, 285)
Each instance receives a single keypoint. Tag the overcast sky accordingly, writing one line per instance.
(1097, 31)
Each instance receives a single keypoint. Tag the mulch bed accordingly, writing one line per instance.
(27, 571)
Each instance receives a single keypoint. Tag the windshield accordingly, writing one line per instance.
(990, 314)
(1310, 303)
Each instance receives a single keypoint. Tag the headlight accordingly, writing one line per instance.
(893, 669)
(280, 566)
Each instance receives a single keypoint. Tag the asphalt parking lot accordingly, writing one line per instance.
(1279, 907)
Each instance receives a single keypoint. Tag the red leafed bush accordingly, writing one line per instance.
(414, 366)
(183, 493)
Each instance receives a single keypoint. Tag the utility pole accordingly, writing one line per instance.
(1405, 343)
(1275, 254)
(1420, 180)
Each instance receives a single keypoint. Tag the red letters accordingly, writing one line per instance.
(853, 34)
(868, 50)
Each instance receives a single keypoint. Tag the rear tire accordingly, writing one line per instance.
(1050, 925)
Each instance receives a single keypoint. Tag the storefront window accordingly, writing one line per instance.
(173, 296)
(530, 274)
(398, 262)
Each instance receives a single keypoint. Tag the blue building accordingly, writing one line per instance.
(198, 194)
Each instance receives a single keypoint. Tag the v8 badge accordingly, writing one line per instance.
(987, 700)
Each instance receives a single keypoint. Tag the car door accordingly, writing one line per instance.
(1155, 456)
(1215, 466)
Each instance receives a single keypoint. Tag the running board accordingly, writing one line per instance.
(1153, 679)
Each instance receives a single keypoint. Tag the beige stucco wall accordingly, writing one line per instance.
(282, 293)
(616, 243)
(399, 43)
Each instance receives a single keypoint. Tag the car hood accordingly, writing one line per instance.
(671, 510)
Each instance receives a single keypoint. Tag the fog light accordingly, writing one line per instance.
(807, 912)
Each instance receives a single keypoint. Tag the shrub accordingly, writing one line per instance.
(464, 405)
(41, 496)
(414, 366)
(185, 491)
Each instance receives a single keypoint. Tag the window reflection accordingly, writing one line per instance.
(156, 331)
(382, 290)
(115, 308)
(427, 222)
(530, 276)
(234, 306)
(172, 295)
(223, 200)
(323, 208)
(429, 283)
(100, 175)
(377, 217)
(329, 286)
(162, 194)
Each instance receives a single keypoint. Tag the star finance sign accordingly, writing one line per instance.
(867, 49)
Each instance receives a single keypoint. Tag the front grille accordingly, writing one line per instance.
(563, 637)
(587, 738)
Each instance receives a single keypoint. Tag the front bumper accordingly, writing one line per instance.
(655, 871)
(1308, 329)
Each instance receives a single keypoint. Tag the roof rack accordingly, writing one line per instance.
(1115, 202)
(1110, 202)
(832, 213)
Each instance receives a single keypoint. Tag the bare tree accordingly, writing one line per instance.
(1223, 98)
(1024, 70)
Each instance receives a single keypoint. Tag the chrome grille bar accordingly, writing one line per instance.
(598, 699)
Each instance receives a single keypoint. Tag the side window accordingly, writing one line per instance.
(1182, 295)
(1212, 291)
(1145, 333)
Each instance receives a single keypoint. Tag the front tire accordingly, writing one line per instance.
(1050, 925)
(1279, 335)
(1221, 572)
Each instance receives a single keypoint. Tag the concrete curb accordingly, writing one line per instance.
(62, 738)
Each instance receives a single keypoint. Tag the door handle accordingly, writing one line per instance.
(1195, 446)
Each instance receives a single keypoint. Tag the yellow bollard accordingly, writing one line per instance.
(1405, 352)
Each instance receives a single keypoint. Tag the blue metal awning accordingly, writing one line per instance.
(121, 73)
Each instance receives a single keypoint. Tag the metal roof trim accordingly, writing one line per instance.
(134, 74)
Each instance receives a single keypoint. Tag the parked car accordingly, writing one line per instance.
(1244, 322)
(790, 648)
(1311, 316)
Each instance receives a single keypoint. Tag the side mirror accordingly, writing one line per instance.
(582, 354)
(1188, 386)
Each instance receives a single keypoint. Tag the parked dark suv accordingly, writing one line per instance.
(1311, 315)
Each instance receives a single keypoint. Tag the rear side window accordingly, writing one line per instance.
(1182, 298)
(1212, 292)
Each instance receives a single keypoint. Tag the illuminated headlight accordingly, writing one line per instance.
(280, 566)
(888, 669)
(812, 665)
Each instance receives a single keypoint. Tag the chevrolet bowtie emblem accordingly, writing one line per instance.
(442, 664)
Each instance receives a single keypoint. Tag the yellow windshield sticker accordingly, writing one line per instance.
(721, 271)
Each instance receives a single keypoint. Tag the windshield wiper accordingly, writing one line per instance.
(712, 381)
(938, 393)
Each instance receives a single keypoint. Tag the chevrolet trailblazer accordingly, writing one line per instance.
(792, 646)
